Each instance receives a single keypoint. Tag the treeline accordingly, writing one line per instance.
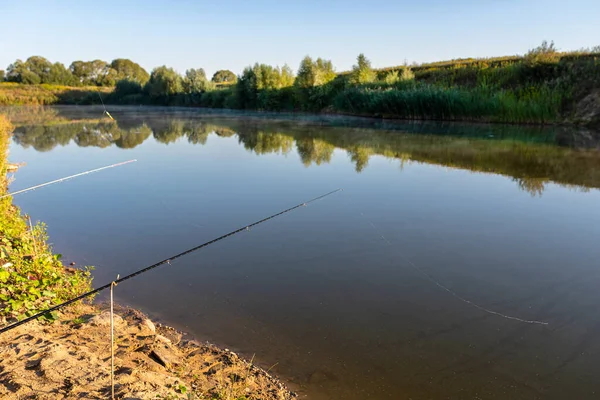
(38, 70)
(542, 86)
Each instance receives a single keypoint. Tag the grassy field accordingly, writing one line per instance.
(18, 94)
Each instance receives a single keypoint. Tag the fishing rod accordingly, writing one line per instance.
(158, 264)
(66, 178)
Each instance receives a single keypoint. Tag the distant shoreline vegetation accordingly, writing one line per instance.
(544, 86)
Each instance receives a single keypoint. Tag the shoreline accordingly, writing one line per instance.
(559, 122)
(70, 356)
(580, 112)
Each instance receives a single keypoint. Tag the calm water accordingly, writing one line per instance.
(504, 217)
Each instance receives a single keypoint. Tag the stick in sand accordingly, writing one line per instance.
(66, 178)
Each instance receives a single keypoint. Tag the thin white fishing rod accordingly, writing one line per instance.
(66, 178)
(453, 293)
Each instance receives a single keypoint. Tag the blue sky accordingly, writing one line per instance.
(230, 34)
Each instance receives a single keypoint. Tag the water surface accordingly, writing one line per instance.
(345, 298)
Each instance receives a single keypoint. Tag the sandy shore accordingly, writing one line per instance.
(70, 359)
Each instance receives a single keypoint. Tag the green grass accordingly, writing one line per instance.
(32, 278)
(424, 101)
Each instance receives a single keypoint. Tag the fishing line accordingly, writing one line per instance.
(450, 291)
(105, 111)
(66, 178)
(158, 264)
(377, 230)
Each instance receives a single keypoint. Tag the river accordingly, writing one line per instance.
(459, 261)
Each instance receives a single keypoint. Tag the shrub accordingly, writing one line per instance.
(31, 277)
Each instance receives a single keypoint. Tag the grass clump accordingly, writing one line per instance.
(32, 278)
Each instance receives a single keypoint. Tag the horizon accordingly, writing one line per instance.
(234, 35)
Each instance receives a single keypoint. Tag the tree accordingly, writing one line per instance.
(325, 71)
(314, 73)
(2, 77)
(246, 88)
(267, 77)
(195, 81)
(311, 87)
(29, 78)
(127, 69)
(39, 66)
(306, 73)
(13, 71)
(18, 72)
(287, 77)
(60, 75)
(224, 76)
(37, 70)
(80, 71)
(90, 72)
(126, 88)
(362, 71)
(261, 82)
(164, 82)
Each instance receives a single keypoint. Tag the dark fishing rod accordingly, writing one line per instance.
(158, 264)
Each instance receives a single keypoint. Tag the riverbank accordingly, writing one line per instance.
(542, 87)
(71, 359)
(67, 354)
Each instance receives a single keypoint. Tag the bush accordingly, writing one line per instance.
(127, 87)
(216, 98)
(276, 100)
